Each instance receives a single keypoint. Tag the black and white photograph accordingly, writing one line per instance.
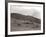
(25, 18)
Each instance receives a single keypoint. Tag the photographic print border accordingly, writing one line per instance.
(6, 18)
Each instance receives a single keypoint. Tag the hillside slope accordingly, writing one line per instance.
(21, 22)
(23, 17)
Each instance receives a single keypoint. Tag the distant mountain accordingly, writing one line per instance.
(24, 17)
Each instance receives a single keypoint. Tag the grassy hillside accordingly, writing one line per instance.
(21, 22)
(23, 17)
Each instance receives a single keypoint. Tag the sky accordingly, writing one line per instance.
(30, 10)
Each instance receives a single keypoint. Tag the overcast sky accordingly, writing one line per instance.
(27, 10)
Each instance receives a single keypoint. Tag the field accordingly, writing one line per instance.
(23, 23)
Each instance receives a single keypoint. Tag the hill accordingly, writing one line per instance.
(21, 22)
(23, 17)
